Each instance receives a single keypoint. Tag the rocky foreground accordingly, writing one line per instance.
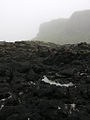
(44, 81)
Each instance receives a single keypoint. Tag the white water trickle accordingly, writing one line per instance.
(46, 80)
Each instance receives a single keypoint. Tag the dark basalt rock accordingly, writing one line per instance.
(23, 94)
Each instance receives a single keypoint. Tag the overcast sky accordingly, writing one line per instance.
(20, 19)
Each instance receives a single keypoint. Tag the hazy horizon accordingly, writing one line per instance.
(20, 19)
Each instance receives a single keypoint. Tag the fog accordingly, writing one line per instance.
(20, 19)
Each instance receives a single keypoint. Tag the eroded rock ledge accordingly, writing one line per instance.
(24, 93)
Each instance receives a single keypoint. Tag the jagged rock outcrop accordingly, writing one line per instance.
(26, 92)
(71, 30)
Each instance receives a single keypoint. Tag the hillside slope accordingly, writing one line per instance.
(63, 31)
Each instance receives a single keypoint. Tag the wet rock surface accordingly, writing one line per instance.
(24, 93)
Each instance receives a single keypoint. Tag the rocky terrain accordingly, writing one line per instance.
(44, 81)
(66, 30)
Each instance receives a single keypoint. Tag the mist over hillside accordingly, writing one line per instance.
(71, 30)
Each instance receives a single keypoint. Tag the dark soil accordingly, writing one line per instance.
(23, 94)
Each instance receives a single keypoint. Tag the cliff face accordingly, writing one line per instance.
(63, 31)
(44, 81)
